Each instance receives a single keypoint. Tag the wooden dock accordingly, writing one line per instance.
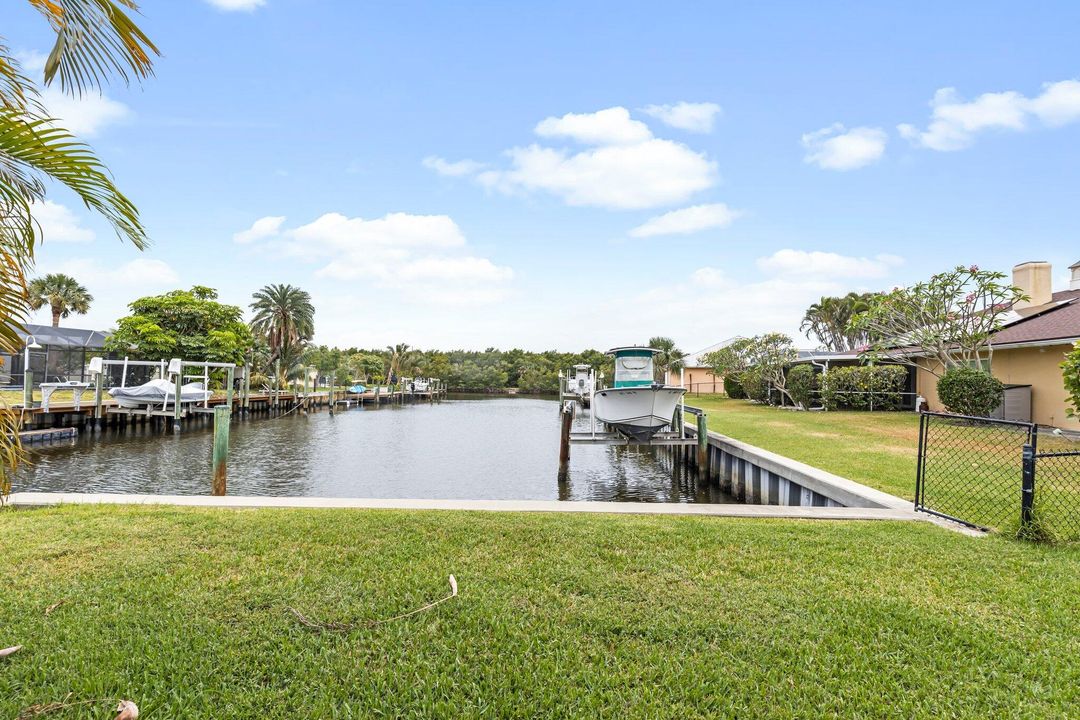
(64, 415)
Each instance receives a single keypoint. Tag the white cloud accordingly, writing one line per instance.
(452, 169)
(687, 220)
(237, 5)
(621, 177)
(955, 123)
(422, 256)
(1059, 103)
(262, 228)
(59, 224)
(626, 169)
(32, 61)
(692, 117)
(735, 303)
(612, 126)
(84, 116)
(828, 265)
(139, 274)
(836, 148)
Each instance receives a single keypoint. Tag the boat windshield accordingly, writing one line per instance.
(633, 370)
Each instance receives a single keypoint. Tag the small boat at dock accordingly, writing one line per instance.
(158, 392)
(580, 381)
(636, 405)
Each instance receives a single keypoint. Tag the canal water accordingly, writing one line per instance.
(487, 448)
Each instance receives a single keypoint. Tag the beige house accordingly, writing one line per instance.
(697, 377)
(1029, 350)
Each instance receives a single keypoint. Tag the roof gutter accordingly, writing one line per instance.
(1035, 343)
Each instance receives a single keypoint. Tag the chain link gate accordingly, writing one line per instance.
(970, 469)
(992, 474)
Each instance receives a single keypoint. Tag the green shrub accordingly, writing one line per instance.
(969, 391)
(733, 388)
(1071, 374)
(863, 387)
(801, 384)
(754, 385)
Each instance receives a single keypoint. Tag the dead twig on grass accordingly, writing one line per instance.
(127, 710)
(58, 603)
(346, 627)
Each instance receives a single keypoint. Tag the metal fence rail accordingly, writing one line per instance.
(990, 474)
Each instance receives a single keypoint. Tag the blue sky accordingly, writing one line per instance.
(553, 175)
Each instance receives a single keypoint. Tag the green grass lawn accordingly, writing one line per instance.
(185, 612)
(877, 449)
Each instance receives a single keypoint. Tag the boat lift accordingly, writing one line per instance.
(675, 437)
(174, 369)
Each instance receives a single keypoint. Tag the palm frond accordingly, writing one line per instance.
(31, 144)
(17, 92)
(95, 39)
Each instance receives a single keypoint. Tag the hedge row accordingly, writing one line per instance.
(863, 387)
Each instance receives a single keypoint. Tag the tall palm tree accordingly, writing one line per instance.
(398, 357)
(62, 293)
(95, 40)
(669, 359)
(284, 315)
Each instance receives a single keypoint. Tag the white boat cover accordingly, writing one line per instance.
(157, 391)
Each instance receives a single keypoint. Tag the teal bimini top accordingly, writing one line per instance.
(633, 366)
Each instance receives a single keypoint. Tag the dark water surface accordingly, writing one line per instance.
(490, 448)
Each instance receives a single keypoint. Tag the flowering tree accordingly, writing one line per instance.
(950, 318)
(766, 355)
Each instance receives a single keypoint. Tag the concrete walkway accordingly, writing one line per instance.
(236, 501)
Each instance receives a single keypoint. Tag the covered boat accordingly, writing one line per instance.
(636, 405)
(358, 389)
(158, 392)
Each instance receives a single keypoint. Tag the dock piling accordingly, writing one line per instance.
(176, 399)
(222, 413)
(702, 445)
(564, 438)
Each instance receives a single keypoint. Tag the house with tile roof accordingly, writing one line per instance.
(1029, 349)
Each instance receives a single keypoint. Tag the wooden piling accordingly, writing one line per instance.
(98, 410)
(702, 445)
(564, 439)
(222, 413)
(176, 399)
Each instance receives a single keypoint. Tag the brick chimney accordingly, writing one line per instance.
(1075, 283)
(1036, 280)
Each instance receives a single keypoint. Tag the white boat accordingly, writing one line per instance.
(636, 405)
(579, 383)
(420, 385)
(158, 392)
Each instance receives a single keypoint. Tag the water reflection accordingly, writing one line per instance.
(490, 448)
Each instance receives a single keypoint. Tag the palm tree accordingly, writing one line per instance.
(669, 359)
(829, 321)
(95, 40)
(398, 357)
(284, 315)
(62, 293)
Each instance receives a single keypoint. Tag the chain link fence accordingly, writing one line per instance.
(993, 474)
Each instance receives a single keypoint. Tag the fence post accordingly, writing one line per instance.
(222, 414)
(1027, 488)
